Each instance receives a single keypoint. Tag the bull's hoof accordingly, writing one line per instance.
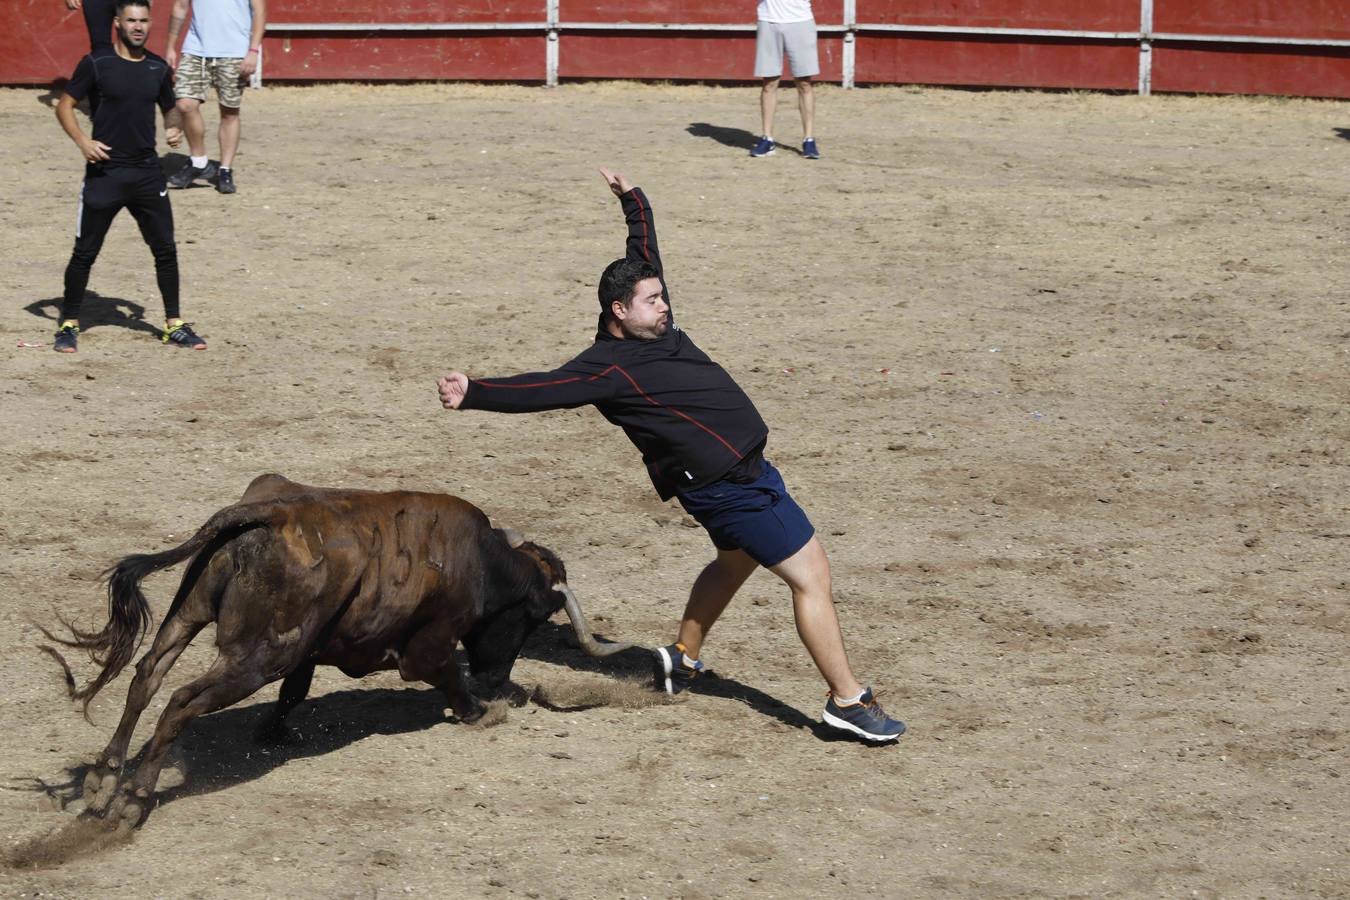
(470, 713)
(128, 811)
(100, 787)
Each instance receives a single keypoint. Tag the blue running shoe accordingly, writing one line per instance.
(809, 149)
(864, 718)
(763, 148)
(674, 672)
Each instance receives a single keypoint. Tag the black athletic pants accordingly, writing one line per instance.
(98, 16)
(143, 192)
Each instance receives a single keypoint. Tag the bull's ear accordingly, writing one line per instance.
(513, 538)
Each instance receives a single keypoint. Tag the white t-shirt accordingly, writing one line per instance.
(782, 11)
(219, 29)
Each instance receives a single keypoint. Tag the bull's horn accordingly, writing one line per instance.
(584, 636)
(513, 538)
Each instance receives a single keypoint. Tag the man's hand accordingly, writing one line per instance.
(174, 136)
(248, 67)
(617, 182)
(72, 4)
(94, 151)
(453, 387)
(171, 57)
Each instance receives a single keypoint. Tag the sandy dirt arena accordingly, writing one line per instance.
(1061, 380)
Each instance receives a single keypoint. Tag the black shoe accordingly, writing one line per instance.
(190, 173)
(184, 336)
(65, 339)
(673, 674)
(225, 181)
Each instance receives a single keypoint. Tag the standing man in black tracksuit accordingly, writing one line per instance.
(124, 83)
(702, 440)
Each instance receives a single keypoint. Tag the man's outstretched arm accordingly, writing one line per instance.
(575, 384)
(637, 211)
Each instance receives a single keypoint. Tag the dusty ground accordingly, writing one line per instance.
(1061, 379)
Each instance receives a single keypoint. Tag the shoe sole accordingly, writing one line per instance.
(761, 155)
(845, 725)
(667, 666)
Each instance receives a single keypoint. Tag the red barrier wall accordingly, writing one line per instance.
(45, 40)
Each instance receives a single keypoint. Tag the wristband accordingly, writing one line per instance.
(253, 50)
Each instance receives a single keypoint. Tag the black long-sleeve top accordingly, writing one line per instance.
(691, 421)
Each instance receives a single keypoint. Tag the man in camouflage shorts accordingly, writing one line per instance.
(221, 51)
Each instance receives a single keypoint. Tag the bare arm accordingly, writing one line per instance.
(92, 150)
(178, 17)
(255, 39)
(173, 126)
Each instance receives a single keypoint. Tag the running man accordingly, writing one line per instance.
(702, 441)
(123, 83)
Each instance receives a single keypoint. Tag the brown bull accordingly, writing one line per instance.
(295, 577)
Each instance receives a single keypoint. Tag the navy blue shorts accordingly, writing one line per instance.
(759, 517)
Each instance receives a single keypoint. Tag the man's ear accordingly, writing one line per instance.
(618, 310)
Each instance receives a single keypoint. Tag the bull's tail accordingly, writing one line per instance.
(129, 612)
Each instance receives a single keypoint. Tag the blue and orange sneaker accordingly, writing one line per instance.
(674, 669)
(864, 717)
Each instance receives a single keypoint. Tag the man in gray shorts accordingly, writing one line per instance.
(786, 25)
(221, 51)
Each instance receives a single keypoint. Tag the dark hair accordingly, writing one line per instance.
(620, 279)
(123, 4)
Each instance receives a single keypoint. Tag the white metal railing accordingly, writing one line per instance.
(850, 28)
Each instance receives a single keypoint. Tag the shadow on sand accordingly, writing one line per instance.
(96, 312)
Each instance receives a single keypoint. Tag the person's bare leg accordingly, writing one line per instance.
(712, 591)
(806, 103)
(768, 102)
(807, 573)
(194, 126)
(229, 136)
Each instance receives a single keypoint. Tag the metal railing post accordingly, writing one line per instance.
(850, 41)
(1145, 47)
(551, 46)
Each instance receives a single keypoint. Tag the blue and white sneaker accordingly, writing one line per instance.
(765, 147)
(674, 670)
(809, 149)
(865, 718)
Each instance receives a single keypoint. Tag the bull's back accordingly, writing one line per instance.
(362, 566)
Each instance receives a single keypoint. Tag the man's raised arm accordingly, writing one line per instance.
(637, 211)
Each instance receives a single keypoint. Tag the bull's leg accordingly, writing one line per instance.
(430, 657)
(293, 690)
(466, 706)
(100, 782)
(227, 681)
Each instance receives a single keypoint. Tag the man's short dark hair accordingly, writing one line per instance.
(123, 4)
(619, 281)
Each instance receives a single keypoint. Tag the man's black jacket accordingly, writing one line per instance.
(691, 421)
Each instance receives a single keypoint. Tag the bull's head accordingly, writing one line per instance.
(557, 577)
(538, 588)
